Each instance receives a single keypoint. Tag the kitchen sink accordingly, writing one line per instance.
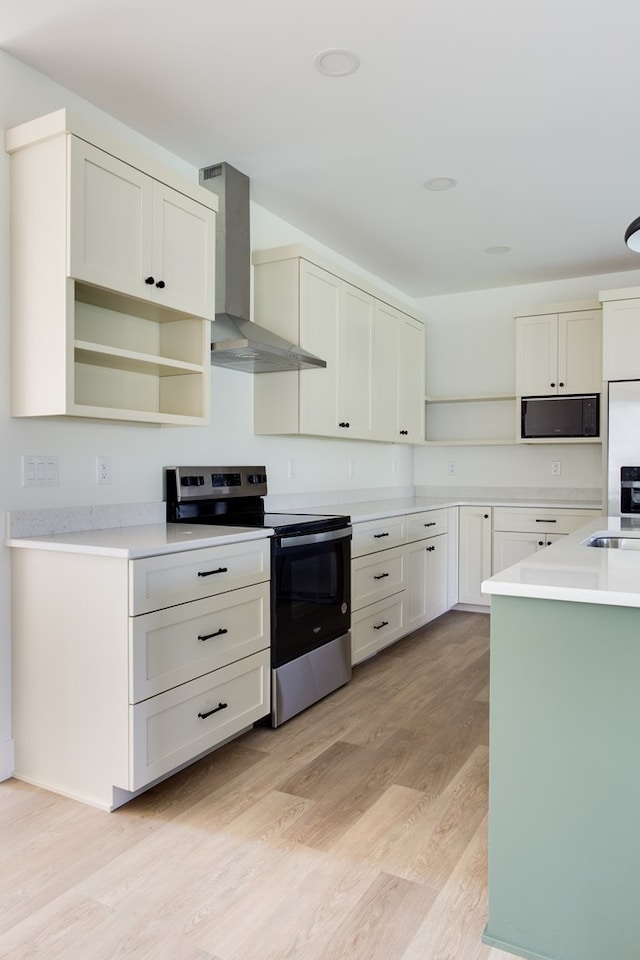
(613, 542)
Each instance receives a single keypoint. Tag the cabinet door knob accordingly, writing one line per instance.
(160, 284)
(552, 384)
(486, 516)
(561, 384)
(541, 543)
(149, 280)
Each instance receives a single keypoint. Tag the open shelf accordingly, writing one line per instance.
(103, 356)
(475, 398)
(479, 420)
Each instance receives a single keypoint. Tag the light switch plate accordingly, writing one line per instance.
(40, 471)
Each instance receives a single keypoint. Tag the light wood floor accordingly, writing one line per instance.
(356, 831)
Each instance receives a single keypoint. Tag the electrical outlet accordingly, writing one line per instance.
(451, 468)
(103, 470)
(40, 471)
(556, 468)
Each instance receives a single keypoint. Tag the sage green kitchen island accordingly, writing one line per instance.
(564, 795)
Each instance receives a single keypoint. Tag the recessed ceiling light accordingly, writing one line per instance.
(337, 62)
(497, 249)
(440, 183)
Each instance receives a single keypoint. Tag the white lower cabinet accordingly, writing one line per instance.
(520, 532)
(474, 563)
(401, 587)
(174, 727)
(376, 626)
(133, 668)
(426, 580)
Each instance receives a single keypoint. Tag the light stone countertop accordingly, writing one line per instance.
(141, 540)
(362, 511)
(570, 570)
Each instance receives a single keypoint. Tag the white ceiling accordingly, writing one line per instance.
(531, 105)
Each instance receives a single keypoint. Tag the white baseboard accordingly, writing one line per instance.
(7, 761)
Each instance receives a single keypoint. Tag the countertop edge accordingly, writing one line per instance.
(73, 543)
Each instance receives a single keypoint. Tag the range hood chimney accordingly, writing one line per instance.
(236, 341)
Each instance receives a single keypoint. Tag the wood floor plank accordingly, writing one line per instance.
(453, 926)
(440, 835)
(383, 922)
(353, 832)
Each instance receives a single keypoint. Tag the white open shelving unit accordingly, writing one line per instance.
(470, 420)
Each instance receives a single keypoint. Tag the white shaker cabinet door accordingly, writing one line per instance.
(385, 372)
(110, 243)
(580, 352)
(474, 554)
(183, 253)
(319, 334)
(355, 383)
(411, 378)
(537, 356)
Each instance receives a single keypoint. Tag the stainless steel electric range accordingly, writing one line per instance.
(310, 578)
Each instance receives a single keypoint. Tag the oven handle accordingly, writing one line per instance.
(293, 540)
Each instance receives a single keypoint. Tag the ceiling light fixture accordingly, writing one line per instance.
(440, 183)
(497, 250)
(632, 235)
(337, 62)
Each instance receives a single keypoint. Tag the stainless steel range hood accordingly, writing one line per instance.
(237, 342)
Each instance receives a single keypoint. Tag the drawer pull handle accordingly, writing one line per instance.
(221, 706)
(433, 523)
(218, 633)
(379, 626)
(430, 549)
(377, 536)
(380, 576)
(553, 520)
(210, 573)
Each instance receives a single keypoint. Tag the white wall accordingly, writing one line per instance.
(471, 350)
(138, 453)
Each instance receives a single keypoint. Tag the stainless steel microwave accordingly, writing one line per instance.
(556, 418)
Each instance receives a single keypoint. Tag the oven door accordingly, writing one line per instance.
(311, 587)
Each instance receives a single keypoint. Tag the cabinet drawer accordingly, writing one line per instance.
(376, 627)
(553, 520)
(375, 535)
(176, 726)
(157, 582)
(176, 645)
(427, 524)
(376, 576)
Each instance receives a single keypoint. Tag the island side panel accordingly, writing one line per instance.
(564, 796)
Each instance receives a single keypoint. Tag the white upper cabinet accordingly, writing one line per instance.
(559, 353)
(336, 324)
(112, 280)
(621, 334)
(399, 375)
(411, 368)
(373, 385)
(138, 236)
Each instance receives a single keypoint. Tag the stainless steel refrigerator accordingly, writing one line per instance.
(623, 448)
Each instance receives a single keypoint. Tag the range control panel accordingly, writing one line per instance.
(202, 483)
